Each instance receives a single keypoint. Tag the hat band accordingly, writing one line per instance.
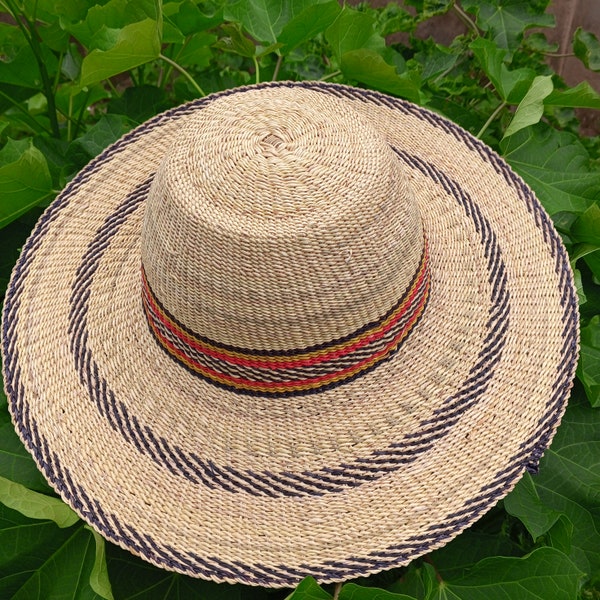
(287, 372)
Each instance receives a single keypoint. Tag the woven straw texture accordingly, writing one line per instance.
(287, 330)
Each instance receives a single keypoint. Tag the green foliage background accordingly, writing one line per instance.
(75, 75)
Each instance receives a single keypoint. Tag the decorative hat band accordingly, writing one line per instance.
(291, 372)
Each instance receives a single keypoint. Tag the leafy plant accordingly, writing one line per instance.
(75, 75)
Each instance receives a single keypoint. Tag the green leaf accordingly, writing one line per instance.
(436, 59)
(531, 108)
(525, 504)
(35, 505)
(99, 581)
(459, 556)
(587, 48)
(581, 296)
(582, 95)
(24, 179)
(39, 561)
(545, 573)
(134, 579)
(139, 103)
(354, 30)
(197, 50)
(235, 41)
(16, 463)
(592, 259)
(560, 535)
(103, 22)
(367, 66)
(420, 580)
(133, 45)
(556, 165)
(569, 477)
(309, 589)
(106, 131)
(429, 8)
(511, 85)
(588, 369)
(18, 65)
(192, 18)
(587, 227)
(505, 21)
(351, 591)
(307, 24)
(264, 20)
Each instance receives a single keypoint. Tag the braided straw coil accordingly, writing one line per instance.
(286, 330)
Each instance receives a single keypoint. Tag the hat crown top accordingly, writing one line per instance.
(279, 219)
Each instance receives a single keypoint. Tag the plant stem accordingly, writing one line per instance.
(256, 68)
(69, 116)
(465, 18)
(80, 115)
(558, 54)
(330, 76)
(491, 118)
(30, 35)
(277, 67)
(58, 70)
(336, 590)
(183, 72)
(114, 90)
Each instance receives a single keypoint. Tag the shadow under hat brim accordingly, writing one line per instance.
(346, 482)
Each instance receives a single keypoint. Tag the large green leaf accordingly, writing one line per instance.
(556, 165)
(134, 579)
(531, 108)
(197, 50)
(525, 504)
(569, 480)
(24, 179)
(505, 21)
(587, 48)
(583, 95)
(18, 65)
(35, 505)
(190, 17)
(309, 589)
(103, 21)
(307, 24)
(16, 463)
(367, 66)
(588, 369)
(511, 85)
(264, 20)
(351, 591)
(131, 46)
(39, 561)
(99, 580)
(586, 228)
(545, 573)
(354, 30)
(103, 133)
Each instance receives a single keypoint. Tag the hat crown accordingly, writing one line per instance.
(279, 219)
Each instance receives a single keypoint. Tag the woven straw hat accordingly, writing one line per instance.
(288, 330)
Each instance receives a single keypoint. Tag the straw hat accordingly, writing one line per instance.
(288, 330)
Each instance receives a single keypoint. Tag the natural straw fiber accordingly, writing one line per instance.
(291, 329)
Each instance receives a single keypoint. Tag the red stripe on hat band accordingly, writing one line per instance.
(291, 371)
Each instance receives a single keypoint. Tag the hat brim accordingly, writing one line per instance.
(336, 484)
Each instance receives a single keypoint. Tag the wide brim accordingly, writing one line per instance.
(336, 484)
